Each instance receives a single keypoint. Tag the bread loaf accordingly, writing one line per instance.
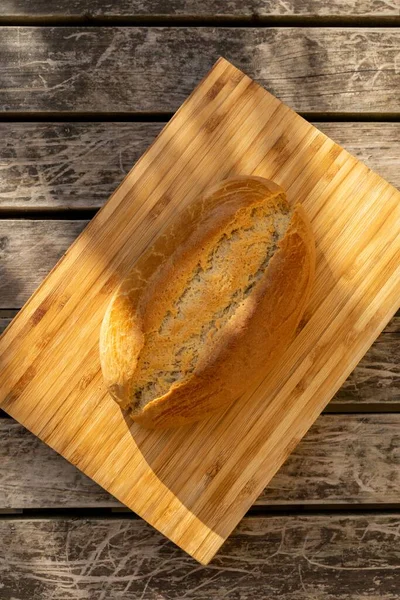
(208, 309)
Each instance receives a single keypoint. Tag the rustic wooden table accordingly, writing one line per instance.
(81, 97)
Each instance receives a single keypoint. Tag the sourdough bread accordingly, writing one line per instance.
(207, 311)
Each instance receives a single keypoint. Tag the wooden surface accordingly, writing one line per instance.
(192, 8)
(39, 171)
(142, 69)
(319, 557)
(58, 392)
(62, 166)
(343, 460)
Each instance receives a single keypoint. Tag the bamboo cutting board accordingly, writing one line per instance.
(194, 484)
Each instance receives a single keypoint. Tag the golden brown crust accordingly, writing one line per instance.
(250, 342)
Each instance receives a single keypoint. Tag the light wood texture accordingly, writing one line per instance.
(54, 69)
(194, 484)
(373, 385)
(343, 459)
(326, 557)
(78, 165)
(192, 8)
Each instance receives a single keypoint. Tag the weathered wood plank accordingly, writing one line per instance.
(343, 459)
(68, 165)
(192, 8)
(3, 324)
(376, 379)
(350, 459)
(324, 557)
(30, 248)
(154, 69)
(79, 165)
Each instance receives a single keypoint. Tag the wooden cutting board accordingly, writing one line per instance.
(194, 484)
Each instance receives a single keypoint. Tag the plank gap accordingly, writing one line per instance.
(321, 509)
(67, 513)
(347, 117)
(85, 117)
(254, 512)
(165, 116)
(359, 408)
(45, 214)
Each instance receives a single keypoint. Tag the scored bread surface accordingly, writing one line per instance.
(208, 309)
